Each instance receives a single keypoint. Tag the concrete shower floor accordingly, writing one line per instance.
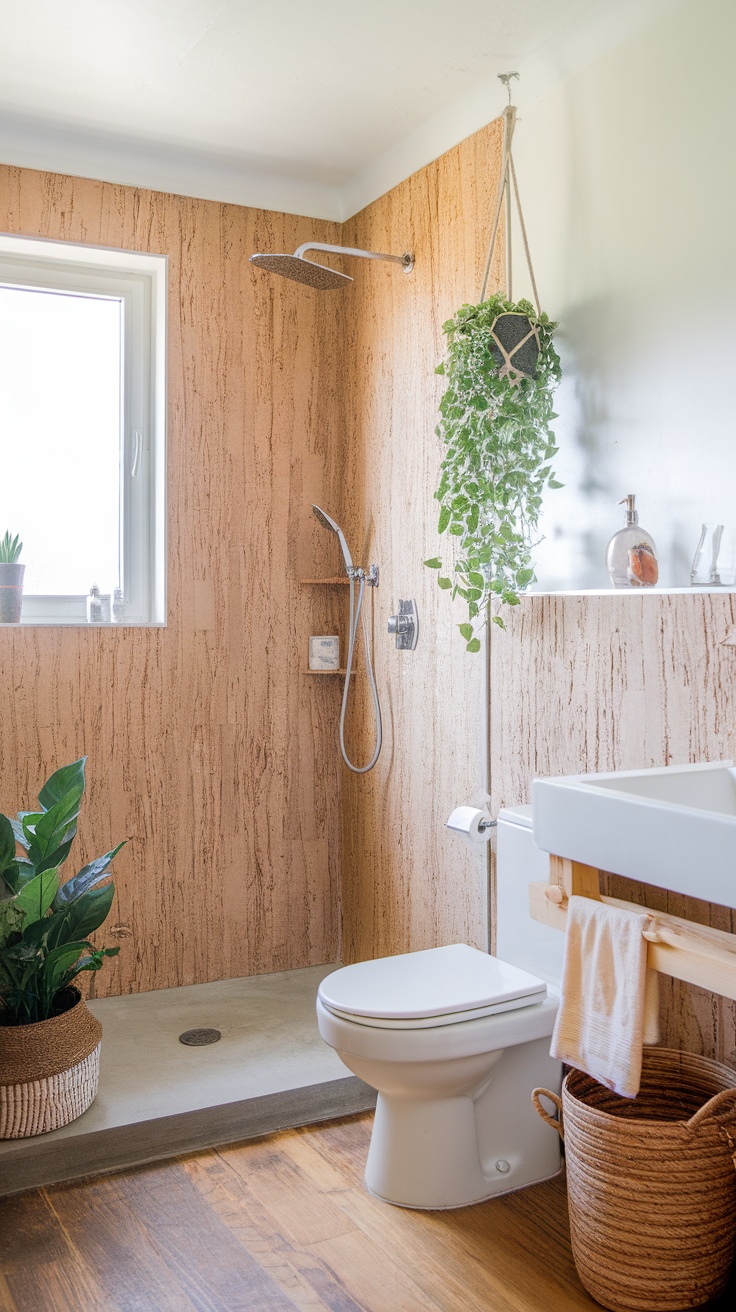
(157, 1097)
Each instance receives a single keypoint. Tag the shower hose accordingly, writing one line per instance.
(355, 617)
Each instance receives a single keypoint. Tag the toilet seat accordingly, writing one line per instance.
(425, 990)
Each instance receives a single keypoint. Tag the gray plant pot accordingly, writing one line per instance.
(11, 592)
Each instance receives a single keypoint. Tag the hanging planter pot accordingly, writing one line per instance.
(502, 370)
(515, 346)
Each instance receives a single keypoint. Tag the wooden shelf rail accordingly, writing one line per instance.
(695, 953)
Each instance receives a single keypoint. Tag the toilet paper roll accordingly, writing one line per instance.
(467, 820)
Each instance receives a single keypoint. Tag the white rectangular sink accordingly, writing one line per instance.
(673, 827)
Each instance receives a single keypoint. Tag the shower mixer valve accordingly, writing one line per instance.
(405, 625)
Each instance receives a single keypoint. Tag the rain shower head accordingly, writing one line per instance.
(326, 522)
(300, 269)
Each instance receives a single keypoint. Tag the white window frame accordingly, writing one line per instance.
(140, 282)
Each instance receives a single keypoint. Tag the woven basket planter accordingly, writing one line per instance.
(48, 1071)
(651, 1182)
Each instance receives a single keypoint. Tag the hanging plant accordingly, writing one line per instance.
(502, 370)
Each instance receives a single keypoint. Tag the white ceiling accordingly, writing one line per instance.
(312, 108)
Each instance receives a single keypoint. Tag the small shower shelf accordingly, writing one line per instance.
(339, 581)
(328, 582)
(328, 671)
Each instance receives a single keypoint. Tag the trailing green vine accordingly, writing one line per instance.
(495, 422)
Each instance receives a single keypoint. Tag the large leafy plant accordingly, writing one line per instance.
(45, 924)
(495, 423)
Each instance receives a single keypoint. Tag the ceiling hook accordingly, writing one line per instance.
(506, 79)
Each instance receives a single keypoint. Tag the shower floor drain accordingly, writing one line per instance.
(199, 1038)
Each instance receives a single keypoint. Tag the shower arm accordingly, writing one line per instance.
(406, 261)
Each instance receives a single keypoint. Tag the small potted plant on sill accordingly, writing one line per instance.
(49, 1040)
(11, 579)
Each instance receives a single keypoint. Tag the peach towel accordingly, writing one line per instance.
(609, 1001)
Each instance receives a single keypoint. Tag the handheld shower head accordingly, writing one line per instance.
(326, 522)
(300, 269)
(357, 578)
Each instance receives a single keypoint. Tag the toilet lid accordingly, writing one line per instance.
(444, 981)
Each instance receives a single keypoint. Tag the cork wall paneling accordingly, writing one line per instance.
(596, 683)
(209, 745)
(201, 736)
(407, 883)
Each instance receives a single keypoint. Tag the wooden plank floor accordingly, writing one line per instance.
(285, 1223)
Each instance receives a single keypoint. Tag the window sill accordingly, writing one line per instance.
(37, 623)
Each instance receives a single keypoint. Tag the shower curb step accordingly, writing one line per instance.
(31, 1163)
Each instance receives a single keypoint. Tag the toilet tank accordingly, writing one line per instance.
(519, 862)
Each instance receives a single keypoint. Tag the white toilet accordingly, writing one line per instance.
(454, 1041)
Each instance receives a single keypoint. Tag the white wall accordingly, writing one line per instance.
(627, 180)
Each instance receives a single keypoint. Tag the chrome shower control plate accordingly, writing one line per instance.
(405, 625)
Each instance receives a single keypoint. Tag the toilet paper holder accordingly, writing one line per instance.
(471, 821)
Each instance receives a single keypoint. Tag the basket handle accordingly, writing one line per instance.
(713, 1103)
(541, 1111)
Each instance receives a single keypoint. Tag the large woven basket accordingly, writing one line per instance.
(48, 1071)
(651, 1182)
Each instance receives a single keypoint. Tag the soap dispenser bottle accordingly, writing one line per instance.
(631, 556)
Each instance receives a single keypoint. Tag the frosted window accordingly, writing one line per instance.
(60, 436)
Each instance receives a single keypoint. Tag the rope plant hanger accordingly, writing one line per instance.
(495, 415)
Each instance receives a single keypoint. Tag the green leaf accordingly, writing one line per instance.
(57, 965)
(11, 920)
(10, 549)
(88, 876)
(434, 563)
(466, 630)
(10, 881)
(28, 821)
(83, 916)
(445, 517)
(17, 828)
(553, 483)
(37, 931)
(444, 584)
(57, 855)
(16, 876)
(91, 962)
(36, 896)
(473, 645)
(69, 779)
(7, 843)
